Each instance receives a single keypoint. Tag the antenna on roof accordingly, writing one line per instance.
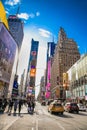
(17, 10)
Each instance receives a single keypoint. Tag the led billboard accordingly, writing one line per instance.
(7, 54)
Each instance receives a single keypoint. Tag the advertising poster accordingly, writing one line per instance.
(7, 54)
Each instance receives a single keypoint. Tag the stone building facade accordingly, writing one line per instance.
(66, 54)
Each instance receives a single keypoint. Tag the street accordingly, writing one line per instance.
(42, 120)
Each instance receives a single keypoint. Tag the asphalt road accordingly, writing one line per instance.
(42, 120)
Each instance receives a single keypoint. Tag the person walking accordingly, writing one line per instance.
(20, 106)
(5, 103)
(31, 106)
(15, 106)
(1, 105)
(10, 106)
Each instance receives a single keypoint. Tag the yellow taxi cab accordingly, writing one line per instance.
(56, 107)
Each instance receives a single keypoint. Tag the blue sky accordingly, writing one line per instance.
(49, 15)
(42, 20)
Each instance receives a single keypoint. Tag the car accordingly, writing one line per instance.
(43, 103)
(71, 107)
(82, 107)
(56, 107)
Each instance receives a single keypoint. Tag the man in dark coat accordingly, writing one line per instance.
(19, 106)
(10, 106)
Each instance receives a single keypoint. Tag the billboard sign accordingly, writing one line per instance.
(7, 53)
(32, 72)
(15, 85)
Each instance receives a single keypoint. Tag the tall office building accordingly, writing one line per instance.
(16, 29)
(32, 67)
(50, 53)
(50, 49)
(22, 86)
(66, 54)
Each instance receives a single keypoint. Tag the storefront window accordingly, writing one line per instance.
(85, 89)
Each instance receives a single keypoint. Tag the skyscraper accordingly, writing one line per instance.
(16, 29)
(50, 53)
(66, 54)
(32, 67)
(50, 49)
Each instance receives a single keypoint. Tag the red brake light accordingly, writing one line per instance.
(69, 106)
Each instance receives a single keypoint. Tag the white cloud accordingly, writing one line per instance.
(24, 16)
(37, 13)
(44, 33)
(12, 2)
(7, 12)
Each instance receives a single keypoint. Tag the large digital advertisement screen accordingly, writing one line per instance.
(7, 54)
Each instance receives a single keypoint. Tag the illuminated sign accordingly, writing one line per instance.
(13, 16)
(15, 84)
(33, 53)
(8, 50)
(32, 72)
(65, 81)
(48, 73)
(33, 67)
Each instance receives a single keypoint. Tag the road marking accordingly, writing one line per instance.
(60, 126)
(37, 124)
(5, 128)
(32, 128)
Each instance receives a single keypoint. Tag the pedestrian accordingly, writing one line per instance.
(10, 106)
(20, 106)
(15, 106)
(5, 104)
(33, 105)
(29, 106)
(1, 105)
